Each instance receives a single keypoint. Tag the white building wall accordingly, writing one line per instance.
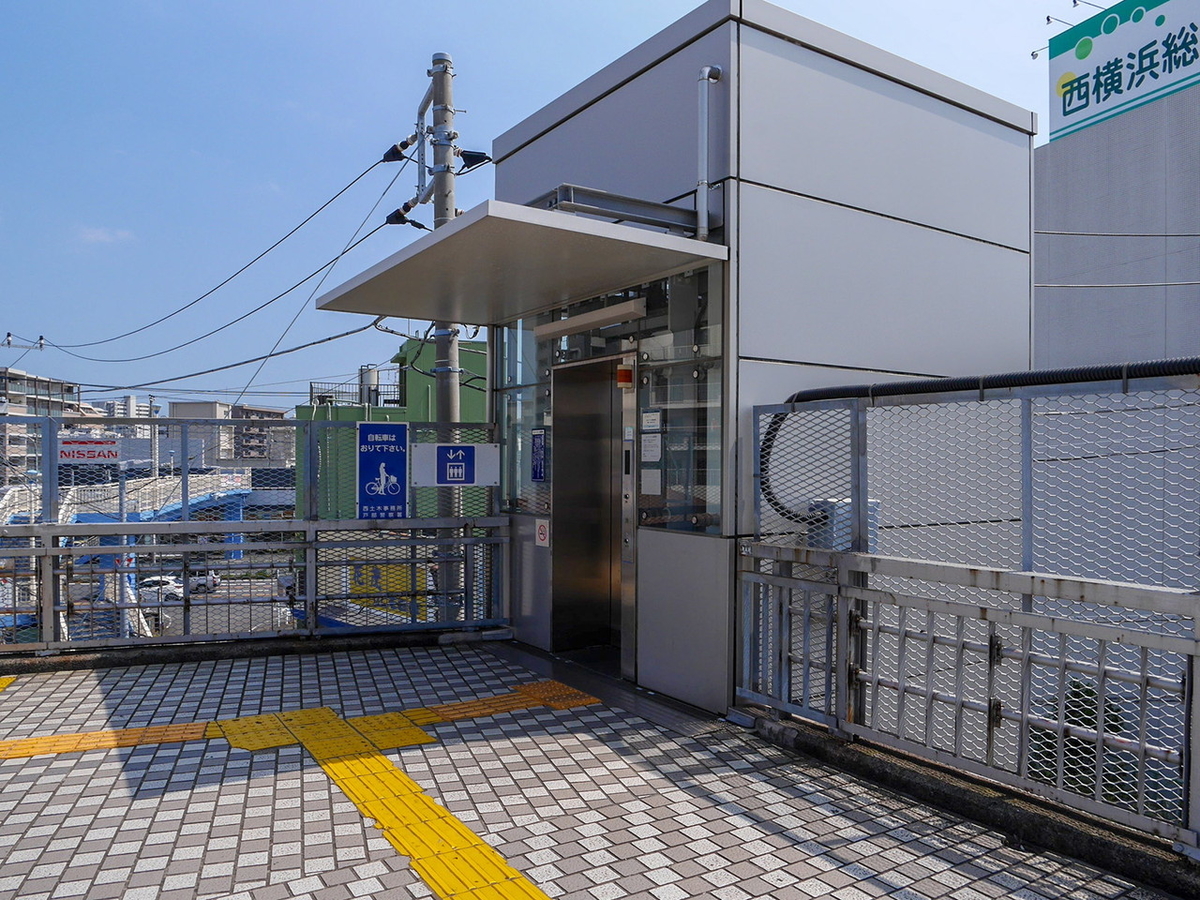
(829, 285)
(819, 127)
(637, 137)
(1136, 173)
(878, 216)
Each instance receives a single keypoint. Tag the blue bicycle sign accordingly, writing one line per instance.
(382, 470)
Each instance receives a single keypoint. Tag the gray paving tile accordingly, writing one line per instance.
(594, 803)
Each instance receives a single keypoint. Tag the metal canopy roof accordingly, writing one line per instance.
(501, 261)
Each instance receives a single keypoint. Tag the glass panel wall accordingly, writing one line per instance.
(678, 345)
(523, 415)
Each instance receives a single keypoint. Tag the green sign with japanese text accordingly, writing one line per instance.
(1131, 54)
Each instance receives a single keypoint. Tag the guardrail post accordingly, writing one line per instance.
(185, 473)
(844, 662)
(1191, 768)
(1027, 564)
(860, 542)
(310, 577)
(49, 470)
(501, 557)
(46, 606)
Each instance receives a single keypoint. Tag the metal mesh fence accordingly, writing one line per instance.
(68, 586)
(1083, 484)
(805, 465)
(1073, 687)
(1100, 716)
(189, 529)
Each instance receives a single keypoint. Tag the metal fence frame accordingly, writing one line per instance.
(310, 576)
(432, 570)
(834, 633)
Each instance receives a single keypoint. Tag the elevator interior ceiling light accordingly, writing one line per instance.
(499, 262)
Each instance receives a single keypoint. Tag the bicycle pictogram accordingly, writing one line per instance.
(384, 484)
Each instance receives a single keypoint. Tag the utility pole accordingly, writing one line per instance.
(446, 368)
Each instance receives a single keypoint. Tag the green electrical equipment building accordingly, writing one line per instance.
(410, 398)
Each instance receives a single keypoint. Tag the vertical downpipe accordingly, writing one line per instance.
(709, 75)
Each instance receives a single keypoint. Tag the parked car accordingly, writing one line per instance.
(204, 584)
(160, 589)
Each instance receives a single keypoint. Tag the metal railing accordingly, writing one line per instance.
(1000, 580)
(1087, 710)
(117, 532)
(82, 587)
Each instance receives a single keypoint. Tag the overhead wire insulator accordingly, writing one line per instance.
(395, 153)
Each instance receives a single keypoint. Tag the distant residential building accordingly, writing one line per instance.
(23, 395)
(129, 407)
(247, 445)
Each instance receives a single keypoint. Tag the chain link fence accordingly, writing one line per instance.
(889, 593)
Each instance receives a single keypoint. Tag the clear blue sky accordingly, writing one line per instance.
(152, 147)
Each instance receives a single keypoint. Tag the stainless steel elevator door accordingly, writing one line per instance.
(586, 580)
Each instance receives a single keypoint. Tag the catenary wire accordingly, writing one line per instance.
(235, 274)
(102, 388)
(328, 271)
(220, 328)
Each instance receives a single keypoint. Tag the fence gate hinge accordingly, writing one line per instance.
(995, 649)
(995, 711)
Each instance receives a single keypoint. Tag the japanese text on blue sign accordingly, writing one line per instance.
(382, 470)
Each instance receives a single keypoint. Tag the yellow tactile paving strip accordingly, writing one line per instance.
(556, 695)
(22, 748)
(488, 706)
(451, 859)
(391, 731)
(6, 681)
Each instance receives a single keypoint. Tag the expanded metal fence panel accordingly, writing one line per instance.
(788, 652)
(240, 555)
(805, 469)
(945, 481)
(22, 445)
(1094, 713)
(420, 578)
(1090, 714)
(1074, 691)
(71, 586)
(21, 614)
(1116, 486)
(1090, 485)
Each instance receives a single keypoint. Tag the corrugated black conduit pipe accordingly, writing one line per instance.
(1123, 372)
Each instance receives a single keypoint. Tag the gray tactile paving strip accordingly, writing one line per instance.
(591, 803)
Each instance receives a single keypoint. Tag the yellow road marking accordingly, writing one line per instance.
(6, 681)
